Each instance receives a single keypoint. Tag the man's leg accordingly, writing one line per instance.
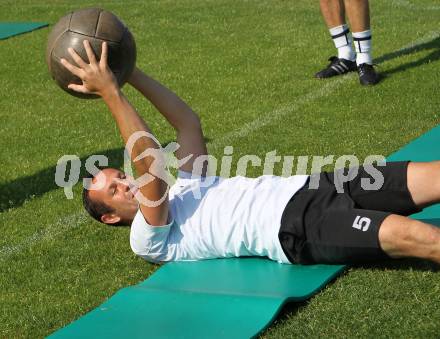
(404, 237)
(423, 180)
(358, 13)
(333, 13)
(364, 224)
(380, 215)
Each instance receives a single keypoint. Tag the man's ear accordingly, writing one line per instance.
(110, 218)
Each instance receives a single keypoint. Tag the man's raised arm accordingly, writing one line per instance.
(184, 120)
(98, 79)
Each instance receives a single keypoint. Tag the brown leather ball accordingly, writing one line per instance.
(96, 25)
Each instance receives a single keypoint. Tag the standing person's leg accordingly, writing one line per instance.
(358, 13)
(333, 13)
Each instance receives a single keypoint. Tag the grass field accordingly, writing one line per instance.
(247, 68)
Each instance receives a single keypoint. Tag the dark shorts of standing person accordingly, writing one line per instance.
(338, 222)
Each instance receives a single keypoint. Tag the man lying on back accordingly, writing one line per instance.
(284, 219)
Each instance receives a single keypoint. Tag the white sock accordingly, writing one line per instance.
(362, 43)
(342, 38)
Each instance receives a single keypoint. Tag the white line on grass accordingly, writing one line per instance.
(53, 230)
(412, 6)
(277, 114)
(78, 218)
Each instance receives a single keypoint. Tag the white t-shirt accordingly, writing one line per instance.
(216, 217)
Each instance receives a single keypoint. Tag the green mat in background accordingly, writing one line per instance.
(8, 29)
(222, 298)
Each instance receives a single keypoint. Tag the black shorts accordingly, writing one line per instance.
(320, 225)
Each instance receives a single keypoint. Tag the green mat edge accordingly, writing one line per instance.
(32, 27)
(284, 302)
(279, 303)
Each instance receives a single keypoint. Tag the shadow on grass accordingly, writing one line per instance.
(291, 309)
(433, 45)
(16, 192)
(407, 263)
(402, 265)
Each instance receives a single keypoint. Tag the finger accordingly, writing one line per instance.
(73, 69)
(79, 61)
(89, 51)
(104, 54)
(78, 88)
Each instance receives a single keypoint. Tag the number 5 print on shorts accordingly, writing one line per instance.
(362, 223)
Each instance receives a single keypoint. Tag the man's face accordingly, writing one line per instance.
(112, 187)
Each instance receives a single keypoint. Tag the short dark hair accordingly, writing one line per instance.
(96, 209)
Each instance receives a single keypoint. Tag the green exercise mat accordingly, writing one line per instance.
(221, 298)
(8, 29)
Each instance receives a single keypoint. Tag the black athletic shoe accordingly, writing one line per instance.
(336, 67)
(367, 75)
